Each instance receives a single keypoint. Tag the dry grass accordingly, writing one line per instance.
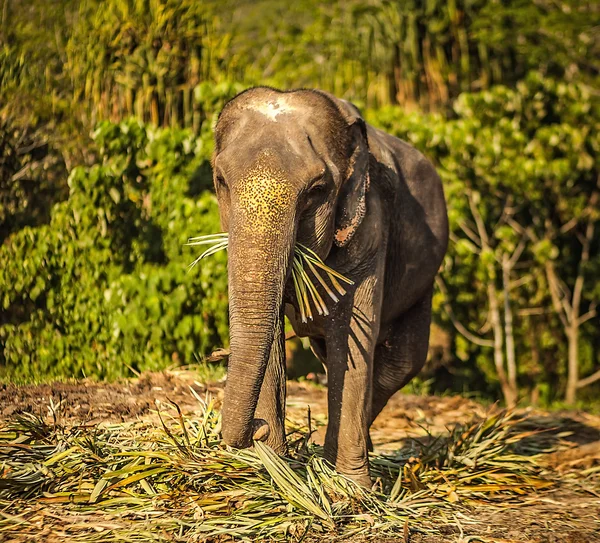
(138, 482)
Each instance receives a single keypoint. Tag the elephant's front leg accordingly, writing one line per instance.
(271, 402)
(350, 348)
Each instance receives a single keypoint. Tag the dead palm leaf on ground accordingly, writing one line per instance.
(182, 482)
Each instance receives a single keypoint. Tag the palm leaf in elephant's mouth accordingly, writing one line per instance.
(305, 261)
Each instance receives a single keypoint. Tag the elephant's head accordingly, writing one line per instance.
(288, 166)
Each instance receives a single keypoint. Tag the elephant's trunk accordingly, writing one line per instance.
(259, 256)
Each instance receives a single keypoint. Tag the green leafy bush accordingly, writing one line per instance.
(32, 176)
(520, 169)
(103, 288)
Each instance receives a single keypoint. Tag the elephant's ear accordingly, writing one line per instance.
(352, 204)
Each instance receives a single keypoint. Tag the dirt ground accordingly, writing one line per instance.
(558, 515)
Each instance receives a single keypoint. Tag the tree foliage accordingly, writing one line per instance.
(103, 288)
(500, 94)
(521, 172)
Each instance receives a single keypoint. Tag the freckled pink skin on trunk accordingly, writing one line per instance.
(264, 196)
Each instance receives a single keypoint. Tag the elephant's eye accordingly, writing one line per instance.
(221, 182)
(315, 194)
(317, 188)
(318, 184)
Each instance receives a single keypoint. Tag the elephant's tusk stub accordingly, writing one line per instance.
(260, 430)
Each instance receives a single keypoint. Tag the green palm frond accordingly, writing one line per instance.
(304, 259)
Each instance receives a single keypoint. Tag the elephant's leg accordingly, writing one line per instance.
(271, 402)
(402, 355)
(350, 349)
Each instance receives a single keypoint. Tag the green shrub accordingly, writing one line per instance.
(32, 175)
(104, 288)
(520, 169)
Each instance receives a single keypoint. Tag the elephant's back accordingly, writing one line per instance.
(416, 217)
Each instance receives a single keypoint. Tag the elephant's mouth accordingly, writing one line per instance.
(305, 260)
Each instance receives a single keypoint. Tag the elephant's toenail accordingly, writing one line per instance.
(260, 430)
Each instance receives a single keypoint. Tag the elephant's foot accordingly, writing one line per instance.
(279, 446)
(356, 468)
(361, 479)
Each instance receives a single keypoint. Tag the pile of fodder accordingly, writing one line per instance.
(138, 481)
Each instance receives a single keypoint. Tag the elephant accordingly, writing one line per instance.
(302, 166)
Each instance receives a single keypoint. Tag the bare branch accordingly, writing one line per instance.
(470, 233)
(518, 252)
(518, 228)
(487, 325)
(507, 391)
(485, 242)
(588, 380)
(511, 362)
(460, 328)
(585, 256)
(565, 295)
(454, 238)
(508, 211)
(559, 307)
(587, 316)
(527, 311)
(221, 354)
(504, 216)
(569, 225)
(520, 282)
(524, 264)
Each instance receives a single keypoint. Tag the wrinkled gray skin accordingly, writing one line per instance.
(302, 166)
